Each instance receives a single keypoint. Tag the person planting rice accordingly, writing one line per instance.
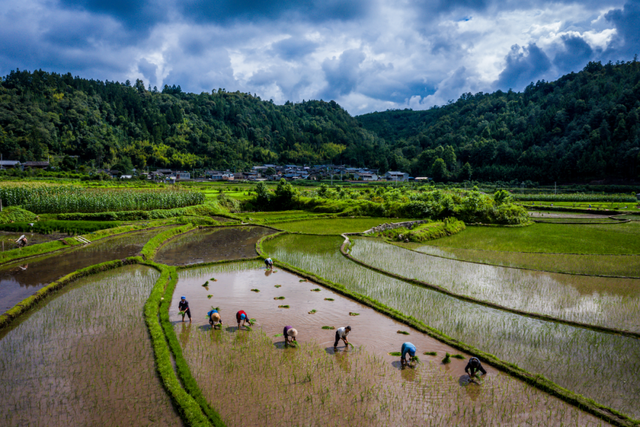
(269, 263)
(290, 335)
(407, 349)
(242, 319)
(183, 306)
(214, 318)
(341, 334)
(22, 241)
(473, 367)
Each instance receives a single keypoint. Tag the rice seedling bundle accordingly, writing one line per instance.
(276, 298)
(209, 296)
(395, 353)
(328, 327)
(277, 286)
(67, 198)
(527, 342)
(315, 290)
(255, 290)
(457, 356)
(283, 306)
(403, 332)
(351, 313)
(430, 353)
(447, 359)
(313, 311)
(329, 299)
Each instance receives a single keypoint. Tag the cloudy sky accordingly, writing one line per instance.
(368, 55)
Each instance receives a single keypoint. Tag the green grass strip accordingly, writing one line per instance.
(588, 405)
(189, 383)
(151, 247)
(31, 301)
(189, 409)
(467, 298)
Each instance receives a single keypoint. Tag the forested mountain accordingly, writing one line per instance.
(108, 123)
(583, 126)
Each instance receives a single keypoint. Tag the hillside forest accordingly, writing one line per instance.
(584, 126)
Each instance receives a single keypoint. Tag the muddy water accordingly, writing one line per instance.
(212, 244)
(232, 292)
(269, 377)
(21, 279)
(8, 239)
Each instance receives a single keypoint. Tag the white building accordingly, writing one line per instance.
(396, 176)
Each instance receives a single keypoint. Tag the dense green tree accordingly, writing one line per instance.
(439, 170)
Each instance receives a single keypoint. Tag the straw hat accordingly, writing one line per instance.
(215, 317)
(292, 332)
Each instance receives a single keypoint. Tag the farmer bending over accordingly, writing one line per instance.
(407, 349)
(341, 334)
(269, 263)
(22, 241)
(214, 318)
(473, 367)
(183, 306)
(290, 335)
(242, 319)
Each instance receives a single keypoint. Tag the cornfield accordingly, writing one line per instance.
(67, 198)
(577, 197)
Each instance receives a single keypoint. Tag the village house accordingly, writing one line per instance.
(9, 164)
(36, 165)
(365, 176)
(396, 176)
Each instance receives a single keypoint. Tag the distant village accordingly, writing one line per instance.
(266, 172)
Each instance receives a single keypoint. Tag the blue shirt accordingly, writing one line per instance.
(408, 348)
(211, 312)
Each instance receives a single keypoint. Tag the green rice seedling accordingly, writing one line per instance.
(403, 332)
(252, 321)
(278, 335)
(255, 290)
(182, 313)
(283, 306)
(213, 280)
(447, 359)
(567, 297)
(313, 311)
(302, 280)
(279, 298)
(395, 353)
(351, 313)
(277, 286)
(415, 359)
(89, 337)
(209, 296)
(328, 327)
(329, 299)
(430, 353)
(206, 284)
(458, 356)
(315, 290)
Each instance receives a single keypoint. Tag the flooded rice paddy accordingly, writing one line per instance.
(20, 279)
(212, 244)
(251, 379)
(605, 265)
(609, 302)
(604, 367)
(85, 358)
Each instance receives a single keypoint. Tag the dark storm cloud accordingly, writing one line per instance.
(524, 65)
(234, 11)
(577, 53)
(294, 48)
(135, 15)
(627, 23)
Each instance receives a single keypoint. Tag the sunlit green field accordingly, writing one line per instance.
(550, 238)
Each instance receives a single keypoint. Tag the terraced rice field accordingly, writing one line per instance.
(604, 367)
(85, 358)
(604, 265)
(613, 303)
(253, 380)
